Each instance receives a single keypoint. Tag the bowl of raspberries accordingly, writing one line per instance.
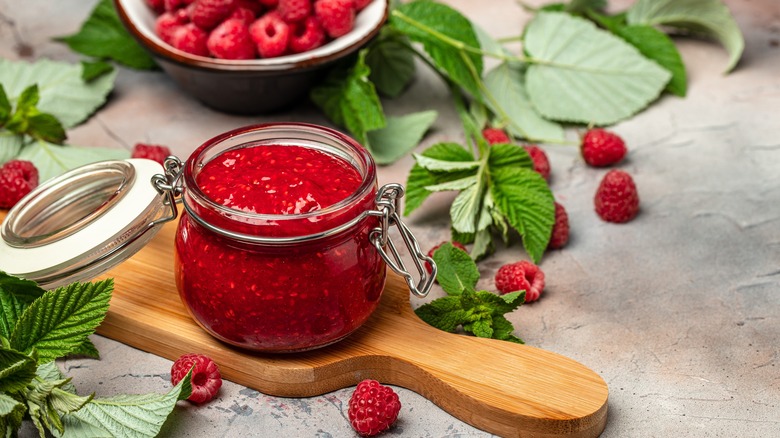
(250, 56)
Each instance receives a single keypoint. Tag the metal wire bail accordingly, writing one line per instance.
(388, 200)
(169, 186)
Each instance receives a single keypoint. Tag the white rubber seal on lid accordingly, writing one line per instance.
(82, 223)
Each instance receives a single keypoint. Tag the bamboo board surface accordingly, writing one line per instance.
(503, 388)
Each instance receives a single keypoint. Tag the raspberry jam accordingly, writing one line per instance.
(273, 251)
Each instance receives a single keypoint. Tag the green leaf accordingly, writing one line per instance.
(482, 328)
(63, 93)
(128, 416)
(60, 321)
(5, 106)
(585, 74)
(103, 36)
(93, 70)
(446, 35)
(11, 415)
(12, 308)
(87, 349)
(483, 245)
(443, 313)
(349, 99)
(401, 135)
(10, 145)
(526, 201)
(581, 6)
(504, 330)
(457, 272)
(66, 402)
(49, 371)
(510, 102)
(16, 370)
(52, 160)
(26, 291)
(466, 207)
(710, 18)
(511, 156)
(512, 301)
(444, 165)
(458, 184)
(46, 127)
(391, 61)
(420, 178)
(657, 46)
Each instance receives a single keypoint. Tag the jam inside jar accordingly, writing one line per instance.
(274, 251)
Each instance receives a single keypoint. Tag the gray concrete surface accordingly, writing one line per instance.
(679, 310)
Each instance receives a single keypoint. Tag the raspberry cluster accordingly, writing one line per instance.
(249, 29)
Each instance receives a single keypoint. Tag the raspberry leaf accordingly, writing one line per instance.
(391, 60)
(657, 46)
(16, 370)
(576, 65)
(94, 70)
(512, 106)
(710, 18)
(438, 165)
(457, 271)
(466, 208)
(12, 310)
(58, 323)
(399, 136)
(510, 156)
(11, 415)
(25, 291)
(52, 160)
(103, 36)
(420, 178)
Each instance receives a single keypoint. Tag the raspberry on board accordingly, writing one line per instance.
(617, 199)
(206, 379)
(541, 163)
(560, 231)
(459, 245)
(271, 35)
(207, 14)
(306, 35)
(522, 275)
(602, 148)
(231, 40)
(336, 16)
(17, 179)
(373, 408)
(152, 152)
(294, 10)
(495, 136)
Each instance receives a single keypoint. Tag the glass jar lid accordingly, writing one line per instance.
(82, 223)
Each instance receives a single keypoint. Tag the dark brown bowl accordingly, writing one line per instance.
(248, 86)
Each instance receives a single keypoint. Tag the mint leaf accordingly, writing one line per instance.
(710, 18)
(584, 74)
(5, 107)
(93, 70)
(482, 328)
(60, 321)
(25, 291)
(504, 330)
(16, 370)
(103, 36)
(52, 160)
(657, 46)
(399, 136)
(524, 198)
(513, 108)
(349, 99)
(443, 313)
(582, 6)
(391, 61)
(446, 35)
(11, 415)
(456, 271)
(12, 308)
(419, 178)
(125, 415)
(46, 127)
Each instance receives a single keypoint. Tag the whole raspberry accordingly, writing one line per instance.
(541, 164)
(294, 10)
(207, 14)
(602, 148)
(495, 136)
(306, 35)
(560, 231)
(271, 35)
(151, 152)
(17, 179)
(172, 5)
(205, 379)
(231, 40)
(245, 14)
(158, 6)
(360, 4)
(459, 245)
(336, 16)
(253, 5)
(270, 4)
(168, 23)
(617, 199)
(191, 39)
(373, 408)
(522, 275)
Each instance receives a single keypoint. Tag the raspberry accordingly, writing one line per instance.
(191, 39)
(428, 266)
(151, 152)
(522, 275)
(602, 148)
(294, 10)
(373, 408)
(306, 35)
(360, 4)
(167, 24)
(271, 35)
(244, 14)
(617, 199)
(157, 6)
(271, 4)
(495, 136)
(17, 179)
(541, 164)
(207, 14)
(172, 5)
(231, 40)
(560, 231)
(336, 16)
(205, 379)
(253, 5)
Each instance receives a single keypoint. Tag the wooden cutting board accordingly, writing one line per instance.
(503, 388)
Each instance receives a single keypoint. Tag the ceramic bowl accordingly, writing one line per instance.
(248, 86)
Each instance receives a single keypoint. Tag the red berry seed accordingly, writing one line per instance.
(602, 148)
(373, 408)
(617, 199)
(206, 379)
(522, 275)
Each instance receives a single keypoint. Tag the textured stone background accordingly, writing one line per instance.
(678, 310)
